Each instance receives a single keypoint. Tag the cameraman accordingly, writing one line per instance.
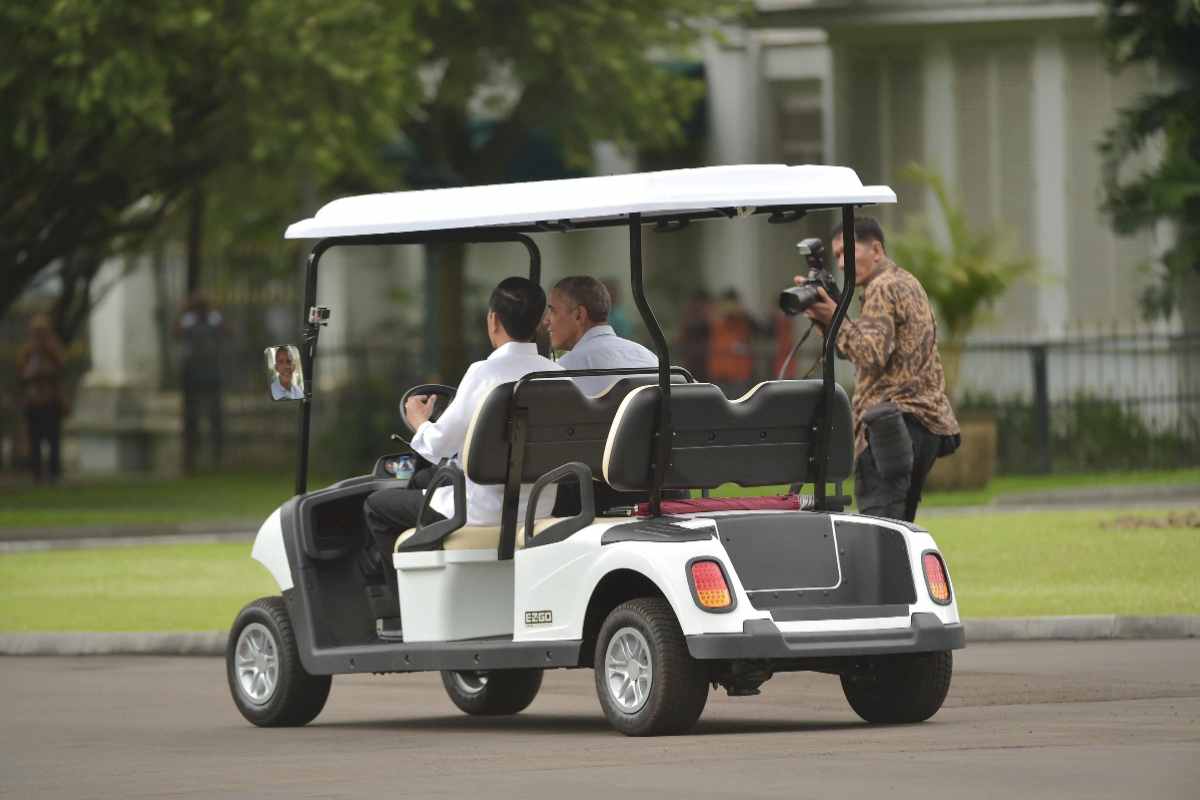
(902, 416)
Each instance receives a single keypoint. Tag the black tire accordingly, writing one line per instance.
(902, 688)
(678, 683)
(493, 693)
(296, 697)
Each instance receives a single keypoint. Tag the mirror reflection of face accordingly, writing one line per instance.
(284, 372)
(284, 366)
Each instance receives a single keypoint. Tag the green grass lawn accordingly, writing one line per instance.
(250, 497)
(146, 501)
(1002, 564)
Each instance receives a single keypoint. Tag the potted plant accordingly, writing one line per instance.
(964, 272)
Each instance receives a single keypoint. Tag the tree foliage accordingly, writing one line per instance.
(1162, 129)
(116, 111)
(540, 70)
(121, 114)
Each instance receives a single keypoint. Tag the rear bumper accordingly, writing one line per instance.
(762, 639)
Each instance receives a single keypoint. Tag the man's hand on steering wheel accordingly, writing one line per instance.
(418, 409)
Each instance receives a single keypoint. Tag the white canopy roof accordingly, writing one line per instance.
(579, 199)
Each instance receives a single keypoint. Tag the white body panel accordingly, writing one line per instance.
(581, 199)
(269, 551)
(561, 577)
(447, 595)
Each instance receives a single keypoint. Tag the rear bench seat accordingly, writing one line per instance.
(765, 437)
(562, 425)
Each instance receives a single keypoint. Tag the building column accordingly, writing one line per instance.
(941, 129)
(120, 418)
(732, 251)
(1049, 124)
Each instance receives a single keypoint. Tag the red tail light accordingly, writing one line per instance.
(709, 586)
(935, 578)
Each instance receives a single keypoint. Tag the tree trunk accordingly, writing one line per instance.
(195, 239)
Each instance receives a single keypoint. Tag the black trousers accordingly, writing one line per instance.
(896, 498)
(45, 425)
(202, 402)
(389, 513)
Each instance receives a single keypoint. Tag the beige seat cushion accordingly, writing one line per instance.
(481, 537)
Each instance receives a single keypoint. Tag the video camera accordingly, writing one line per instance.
(795, 299)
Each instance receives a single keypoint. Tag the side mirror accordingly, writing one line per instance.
(284, 374)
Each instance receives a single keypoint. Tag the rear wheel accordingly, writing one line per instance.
(267, 680)
(493, 692)
(906, 687)
(648, 683)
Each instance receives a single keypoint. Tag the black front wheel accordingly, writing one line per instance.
(492, 692)
(267, 680)
(901, 688)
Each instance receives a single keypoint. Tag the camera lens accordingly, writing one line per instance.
(795, 299)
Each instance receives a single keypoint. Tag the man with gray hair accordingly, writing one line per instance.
(577, 318)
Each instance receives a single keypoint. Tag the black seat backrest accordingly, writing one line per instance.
(562, 424)
(761, 439)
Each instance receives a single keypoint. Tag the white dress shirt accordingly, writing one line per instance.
(446, 437)
(601, 348)
(293, 392)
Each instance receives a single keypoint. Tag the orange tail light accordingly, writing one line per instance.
(709, 585)
(935, 578)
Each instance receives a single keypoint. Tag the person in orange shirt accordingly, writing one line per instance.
(730, 355)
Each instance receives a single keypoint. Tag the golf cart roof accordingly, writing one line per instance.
(553, 205)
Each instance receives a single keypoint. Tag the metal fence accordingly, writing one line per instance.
(1088, 401)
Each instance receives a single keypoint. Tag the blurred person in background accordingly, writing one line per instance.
(731, 354)
(201, 330)
(692, 342)
(40, 363)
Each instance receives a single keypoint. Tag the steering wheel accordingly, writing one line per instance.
(443, 394)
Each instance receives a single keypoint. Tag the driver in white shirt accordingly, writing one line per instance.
(514, 313)
(577, 318)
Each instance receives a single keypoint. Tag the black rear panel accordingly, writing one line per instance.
(790, 565)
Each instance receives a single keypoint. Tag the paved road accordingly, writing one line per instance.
(1030, 720)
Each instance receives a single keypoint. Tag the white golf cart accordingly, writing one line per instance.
(663, 605)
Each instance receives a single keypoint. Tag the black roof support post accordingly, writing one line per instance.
(824, 417)
(662, 456)
(311, 329)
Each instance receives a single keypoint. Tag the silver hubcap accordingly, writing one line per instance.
(627, 670)
(471, 682)
(257, 661)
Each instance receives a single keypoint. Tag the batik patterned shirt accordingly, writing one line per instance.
(893, 346)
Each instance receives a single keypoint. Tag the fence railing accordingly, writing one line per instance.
(1084, 402)
(1124, 401)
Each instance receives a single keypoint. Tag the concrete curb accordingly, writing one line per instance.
(212, 643)
(203, 643)
(128, 531)
(1082, 628)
